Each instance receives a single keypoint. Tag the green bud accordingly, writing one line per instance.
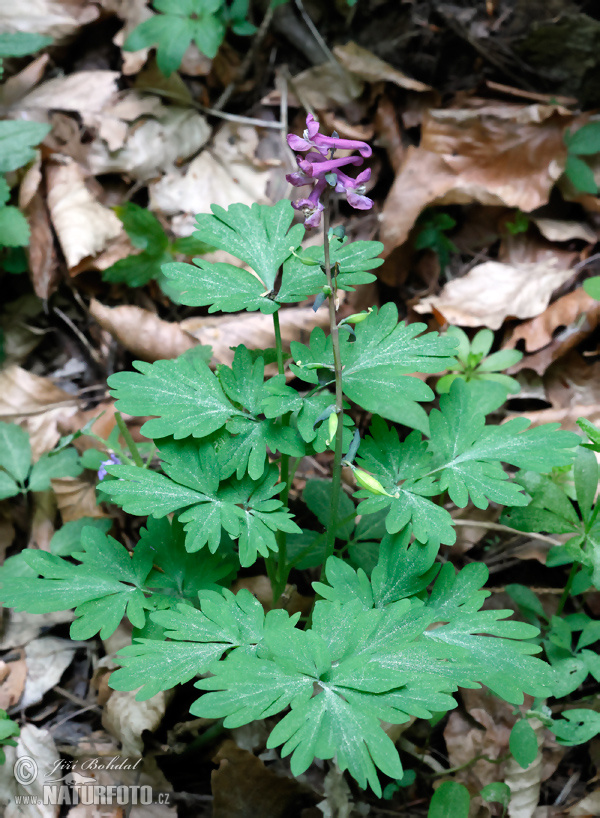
(333, 425)
(367, 481)
(357, 317)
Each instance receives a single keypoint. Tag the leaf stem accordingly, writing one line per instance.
(129, 441)
(282, 571)
(499, 527)
(336, 473)
(567, 590)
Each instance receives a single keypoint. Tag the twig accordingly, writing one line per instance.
(247, 61)
(77, 332)
(507, 529)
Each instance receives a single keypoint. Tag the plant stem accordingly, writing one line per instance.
(565, 594)
(336, 473)
(499, 527)
(282, 571)
(129, 441)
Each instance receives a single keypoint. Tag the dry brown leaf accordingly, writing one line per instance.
(370, 68)
(42, 520)
(242, 786)
(13, 682)
(324, 86)
(19, 338)
(389, 133)
(76, 498)
(565, 230)
(83, 226)
(500, 154)
(47, 659)
(567, 416)
(142, 332)
(224, 174)
(125, 718)
(491, 292)
(132, 12)
(566, 312)
(572, 380)
(152, 145)
(86, 92)
(53, 18)
(253, 329)
(39, 745)
(37, 404)
(587, 807)
(43, 260)
(20, 84)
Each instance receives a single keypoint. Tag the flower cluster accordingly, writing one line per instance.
(319, 169)
(113, 460)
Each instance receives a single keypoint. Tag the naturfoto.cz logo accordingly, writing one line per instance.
(75, 788)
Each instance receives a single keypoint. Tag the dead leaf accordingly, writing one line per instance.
(126, 719)
(389, 134)
(43, 260)
(565, 230)
(53, 18)
(47, 659)
(13, 681)
(35, 403)
(226, 173)
(572, 380)
(586, 807)
(567, 417)
(20, 84)
(142, 332)
(152, 145)
(243, 787)
(42, 518)
(85, 92)
(83, 226)
(370, 68)
(132, 12)
(224, 332)
(39, 745)
(18, 628)
(496, 154)
(76, 498)
(491, 292)
(324, 86)
(19, 337)
(576, 311)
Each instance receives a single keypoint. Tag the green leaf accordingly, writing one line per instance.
(258, 235)
(317, 496)
(67, 539)
(592, 288)
(376, 363)
(15, 451)
(304, 275)
(14, 229)
(22, 43)
(136, 270)
(497, 792)
(17, 140)
(586, 140)
(8, 487)
(577, 726)
(549, 510)
(143, 228)
(208, 35)
(184, 393)
(225, 622)
(450, 800)
(580, 175)
(217, 285)
(104, 587)
(170, 33)
(523, 743)
(65, 463)
(586, 481)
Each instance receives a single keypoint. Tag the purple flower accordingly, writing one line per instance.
(355, 189)
(112, 461)
(311, 138)
(317, 165)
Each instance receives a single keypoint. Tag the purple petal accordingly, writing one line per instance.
(314, 219)
(299, 179)
(343, 144)
(358, 201)
(320, 168)
(296, 143)
(312, 126)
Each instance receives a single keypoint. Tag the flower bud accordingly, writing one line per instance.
(357, 317)
(332, 427)
(367, 481)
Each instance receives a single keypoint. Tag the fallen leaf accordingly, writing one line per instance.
(43, 260)
(85, 92)
(324, 86)
(586, 807)
(152, 145)
(576, 310)
(13, 681)
(20, 84)
(565, 230)
(226, 173)
(47, 659)
(142, 332)
(53, 18)
(35, 403)
(43, 513)
(82, 224)
(126, 719)
(389, 133)
(491, 292)
(19, 337)
(37, 744)
(132, 12)
(18, 628)
(567, 416)
(572, 380)
(369, 67)
(496, 154)
(76, 498)
(243, 787)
